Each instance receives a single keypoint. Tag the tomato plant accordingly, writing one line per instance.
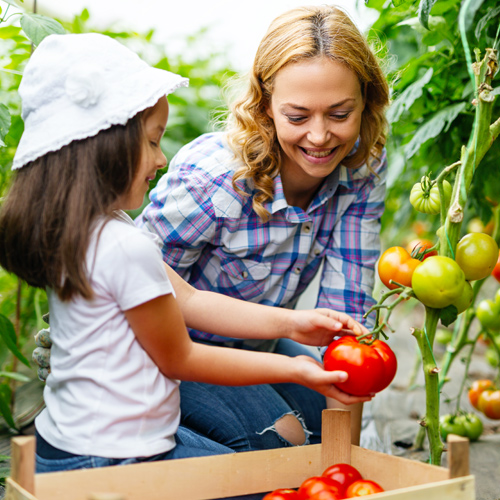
(475, 390)
(371, 367)
(418, 246)
(283, 494)
(477, 255)
(345, 474)
(438, 282)
(362, 488)
(396, 264)
(315, 484)
(425, 197)
(489, 403)
(496, 270)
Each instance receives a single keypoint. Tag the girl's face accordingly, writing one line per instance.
(316, 106)
(152, 157)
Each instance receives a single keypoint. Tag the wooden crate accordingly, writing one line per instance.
(249, 472)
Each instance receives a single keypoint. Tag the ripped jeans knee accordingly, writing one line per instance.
(290, 428)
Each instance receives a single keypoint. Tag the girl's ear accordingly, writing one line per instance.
(269, 111)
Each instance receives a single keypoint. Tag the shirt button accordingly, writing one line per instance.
(307, 228)
(244, 274)
(297, 270)
(317, 251)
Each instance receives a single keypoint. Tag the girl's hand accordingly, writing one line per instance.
(317, 378)
(318, 327)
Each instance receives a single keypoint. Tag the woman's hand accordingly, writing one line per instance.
(317, 327)
(317, 378)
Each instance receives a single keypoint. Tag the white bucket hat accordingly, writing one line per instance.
(74, 86)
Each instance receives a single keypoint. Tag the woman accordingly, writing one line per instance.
(296, 181)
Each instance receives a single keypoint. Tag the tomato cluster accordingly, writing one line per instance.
(440, 281)
(468, 425)
(485, 397)
(370, 367)
(339, 481)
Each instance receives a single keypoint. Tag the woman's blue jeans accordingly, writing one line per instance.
(243, 418)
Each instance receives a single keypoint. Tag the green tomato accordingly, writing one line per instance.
(473, 426)
(451, 424)
(465, 300)
(488, 313)
(477, 255)
(443, 336)
(492, 356)
(426, 199)
(438, 282)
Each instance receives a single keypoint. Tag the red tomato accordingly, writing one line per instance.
(362, 488)
(496, 270)
(418, 246)
(371, 368)
(396, 264)
(283, 494)
(489, 404)
(345, 474)
(326, 495)
(313, 485)
(477, 387)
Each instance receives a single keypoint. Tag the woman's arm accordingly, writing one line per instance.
(160, 329)
(222, 315)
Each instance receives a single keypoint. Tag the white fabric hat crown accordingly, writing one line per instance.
(74, 86)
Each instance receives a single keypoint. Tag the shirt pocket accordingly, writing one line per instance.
(244, 278)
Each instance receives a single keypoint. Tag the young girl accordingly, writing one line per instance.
(94, 115)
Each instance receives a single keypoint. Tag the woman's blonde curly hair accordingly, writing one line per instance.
(299, 34)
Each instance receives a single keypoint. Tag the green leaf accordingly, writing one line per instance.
(424, 10)
(492, 13)
(470, 11)
(433, 127)
(15, 376)
(5, 395)
(3, 458)
(8, 335)
(4, 121)
(37, 27)
(405, 100)
(8, 32)
(448, 315)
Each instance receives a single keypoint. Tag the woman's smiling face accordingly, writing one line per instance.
(316, 106)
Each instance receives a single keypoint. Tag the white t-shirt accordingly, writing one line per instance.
(105, 396)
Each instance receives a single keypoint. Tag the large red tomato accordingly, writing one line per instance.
(283, 494)
(371, 367)
(326, 495)
(419, 246)
(396, 264)
(315, 484)
(345, 474)
(362, 488)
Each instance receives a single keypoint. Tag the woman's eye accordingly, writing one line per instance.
(296, 119)
(340, 117)
(153, 143)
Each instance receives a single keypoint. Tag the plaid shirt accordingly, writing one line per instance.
(215, 241)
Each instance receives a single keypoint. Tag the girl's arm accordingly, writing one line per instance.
(159, 327)
(222, 315)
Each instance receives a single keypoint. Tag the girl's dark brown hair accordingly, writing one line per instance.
(47, 217)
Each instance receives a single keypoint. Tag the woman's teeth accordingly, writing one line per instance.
(318, 154)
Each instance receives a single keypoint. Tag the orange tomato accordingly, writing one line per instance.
(477, 387)
(420, 245)
(396, 264)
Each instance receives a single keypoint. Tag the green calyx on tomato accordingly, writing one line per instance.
(466, 425)
(425, 197)
(488, 313)
(477, 255)
(396, 264)
(370, 367)
(438, 282)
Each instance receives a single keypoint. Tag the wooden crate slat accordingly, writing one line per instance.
(15, 492)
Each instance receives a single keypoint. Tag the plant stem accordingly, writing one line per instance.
(425, 340)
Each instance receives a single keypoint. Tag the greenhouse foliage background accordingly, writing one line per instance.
(431, 117)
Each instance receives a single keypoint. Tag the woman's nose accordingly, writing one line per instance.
(318, 133)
